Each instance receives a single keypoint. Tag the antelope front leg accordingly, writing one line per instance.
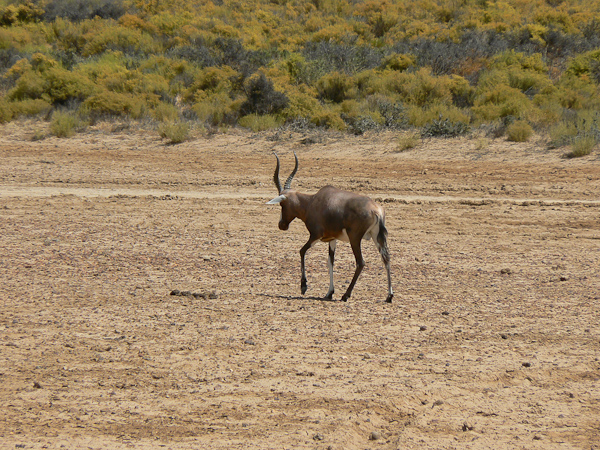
(303, 250)
(331, 290)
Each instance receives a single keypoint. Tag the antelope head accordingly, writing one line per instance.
(287, 198)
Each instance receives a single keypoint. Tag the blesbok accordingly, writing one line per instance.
(331, 215)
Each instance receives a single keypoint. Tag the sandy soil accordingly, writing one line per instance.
(493, 339)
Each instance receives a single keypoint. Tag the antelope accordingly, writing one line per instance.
(331, 215)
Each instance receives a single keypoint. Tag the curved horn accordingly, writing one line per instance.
(288, 182)
(276, 175)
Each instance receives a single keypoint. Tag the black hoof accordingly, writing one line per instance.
(389, 299)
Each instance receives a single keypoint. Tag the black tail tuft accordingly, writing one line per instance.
(382, 241)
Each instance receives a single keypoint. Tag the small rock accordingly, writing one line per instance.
(175, 292)
(526, 364)
(467, 427)
(374, 436)
(422, 328)
(438, 402)
(506, 271)
(249, 341)
(318, 437)
(37, 385)
(504, 336)
(537, 438)
(445, 313)
(564, 278)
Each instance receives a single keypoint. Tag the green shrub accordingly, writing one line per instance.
(499, 102)
(30, 107)
(216, 109)
(398, 61)
(165, 112)
(6, 112)
(519, 131)
(262, 98)
(175, 132)
(30, 85)
(421, 88)
(336, 87)
(328, 118)
(444, 128)
(582, 146)
(419, 117)
(115, 104)
(64, 124)
(258, 122)
(407, 141)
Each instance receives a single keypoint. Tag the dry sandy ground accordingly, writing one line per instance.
(493, 339)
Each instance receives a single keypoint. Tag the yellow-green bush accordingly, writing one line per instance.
(117, 37)
(6, 112)
(30, 107)
(212, 80)
(421, 88)
(217, 108)
(64, 124)
(115, 104)
(407, 141)
(257, 122)
(336, 87)
(328, 118)
(501, 101)
(398, 61)
(176, 132)
(419, 117)
(519, 131)
(165, 112)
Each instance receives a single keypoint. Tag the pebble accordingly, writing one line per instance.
(374, 436)
(422, 328)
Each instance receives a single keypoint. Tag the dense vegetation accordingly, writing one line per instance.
(443, 66)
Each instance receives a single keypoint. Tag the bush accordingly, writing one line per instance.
(408, 140)
(262, 98)
(75, 10)
(258, 122)
(336, 87)
(175, 132)
(64, 124)
(444, 128)
(398, 61)
(115, 104)
(216, 109)
(30, 107)
(6, 112)
(582, 146)
(328, 118)
(519, 131)
(165, 112)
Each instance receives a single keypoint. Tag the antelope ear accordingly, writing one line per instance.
(276, 200)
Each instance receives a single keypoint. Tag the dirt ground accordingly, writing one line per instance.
(492, 341)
